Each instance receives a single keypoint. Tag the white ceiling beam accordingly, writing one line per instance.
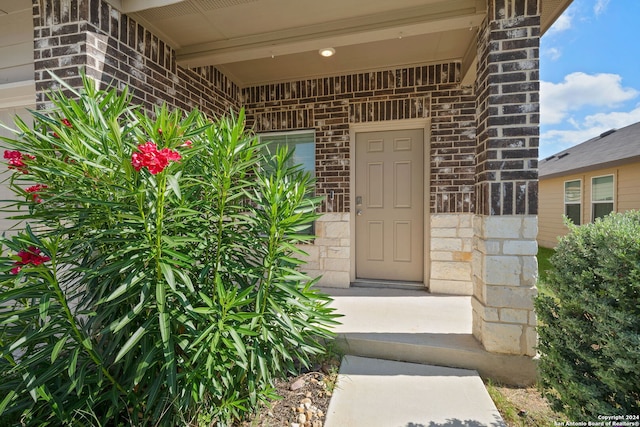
(131, 6)
(402, 23)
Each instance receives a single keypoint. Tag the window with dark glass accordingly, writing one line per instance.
(602, 195)
(572, 201)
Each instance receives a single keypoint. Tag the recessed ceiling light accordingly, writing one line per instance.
(327, 52)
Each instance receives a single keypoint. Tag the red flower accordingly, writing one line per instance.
(153, 159)
(55, 135)
(34, 189)
(67, 123)
(16, 160)
(29, 256)
(187, 143)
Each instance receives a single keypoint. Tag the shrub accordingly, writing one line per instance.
(590, 329)
(155, 281)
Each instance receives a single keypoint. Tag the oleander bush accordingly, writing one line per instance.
(589, 333)
(155, 277)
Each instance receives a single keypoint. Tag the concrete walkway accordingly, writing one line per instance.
(382, 393)
(384, 332)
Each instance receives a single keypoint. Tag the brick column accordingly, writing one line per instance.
(505, 224)
(115, 50)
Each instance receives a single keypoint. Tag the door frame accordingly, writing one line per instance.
(392, 125)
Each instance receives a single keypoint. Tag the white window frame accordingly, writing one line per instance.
(612, 201)
(579, 202)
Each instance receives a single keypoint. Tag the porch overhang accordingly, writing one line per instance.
(258, 41)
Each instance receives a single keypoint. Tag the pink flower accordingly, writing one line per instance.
(187, 144)
(152, 159)
(16, 160)
(29, 256)
(34, 192)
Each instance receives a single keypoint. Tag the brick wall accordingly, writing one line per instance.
(116, 50)
(508, 109)
(330, 104)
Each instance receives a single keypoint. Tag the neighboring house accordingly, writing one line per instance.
(588, 181)
(424, 123)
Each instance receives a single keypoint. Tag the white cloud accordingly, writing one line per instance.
(600, 6)
(579, 90)
(556, 140)
(553, 53)
(563, 23)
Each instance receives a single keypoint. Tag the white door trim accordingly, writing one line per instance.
(391, 125)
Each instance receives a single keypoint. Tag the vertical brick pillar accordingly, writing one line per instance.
(505, 224)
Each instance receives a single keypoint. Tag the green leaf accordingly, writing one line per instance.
(58, 347)
(167, 272)
(132, 341)
(172, 180)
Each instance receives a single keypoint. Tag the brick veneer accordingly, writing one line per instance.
(330, 104)
(116, 50)
(508, 109)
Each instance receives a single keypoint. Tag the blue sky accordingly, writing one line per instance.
(589, 72)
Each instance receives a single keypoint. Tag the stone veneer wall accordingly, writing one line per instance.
(505, 227)
(330, 104)
(451, 254)
(114, 49)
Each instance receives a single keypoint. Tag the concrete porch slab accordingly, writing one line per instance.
(418, 327)
(374, 392)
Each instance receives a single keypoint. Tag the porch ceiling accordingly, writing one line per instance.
(258, 41)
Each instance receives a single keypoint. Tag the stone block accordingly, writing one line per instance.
(477, 265)
(336, 264)
(322, 241)
(509, 297)
(502, 270)
(466, 221)
(487, 314)
(336, 230)
(443, 232)
(510, 315)
(520, 247)
(489, 247)
(450, 287)
(529, 271)
(501, 338)
(530, 227)
(333, 217)
(338, 252)
(465, 232)
(445, 221)
(462, 256)
(446, 244)
(502, 226)
(451, 270)
(441, 256)
(533, 318)
(467, 244)
(531, 341)
(335, 279)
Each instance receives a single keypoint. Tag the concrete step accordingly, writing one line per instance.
(449, 350)
(418, 327)
(382, 393)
